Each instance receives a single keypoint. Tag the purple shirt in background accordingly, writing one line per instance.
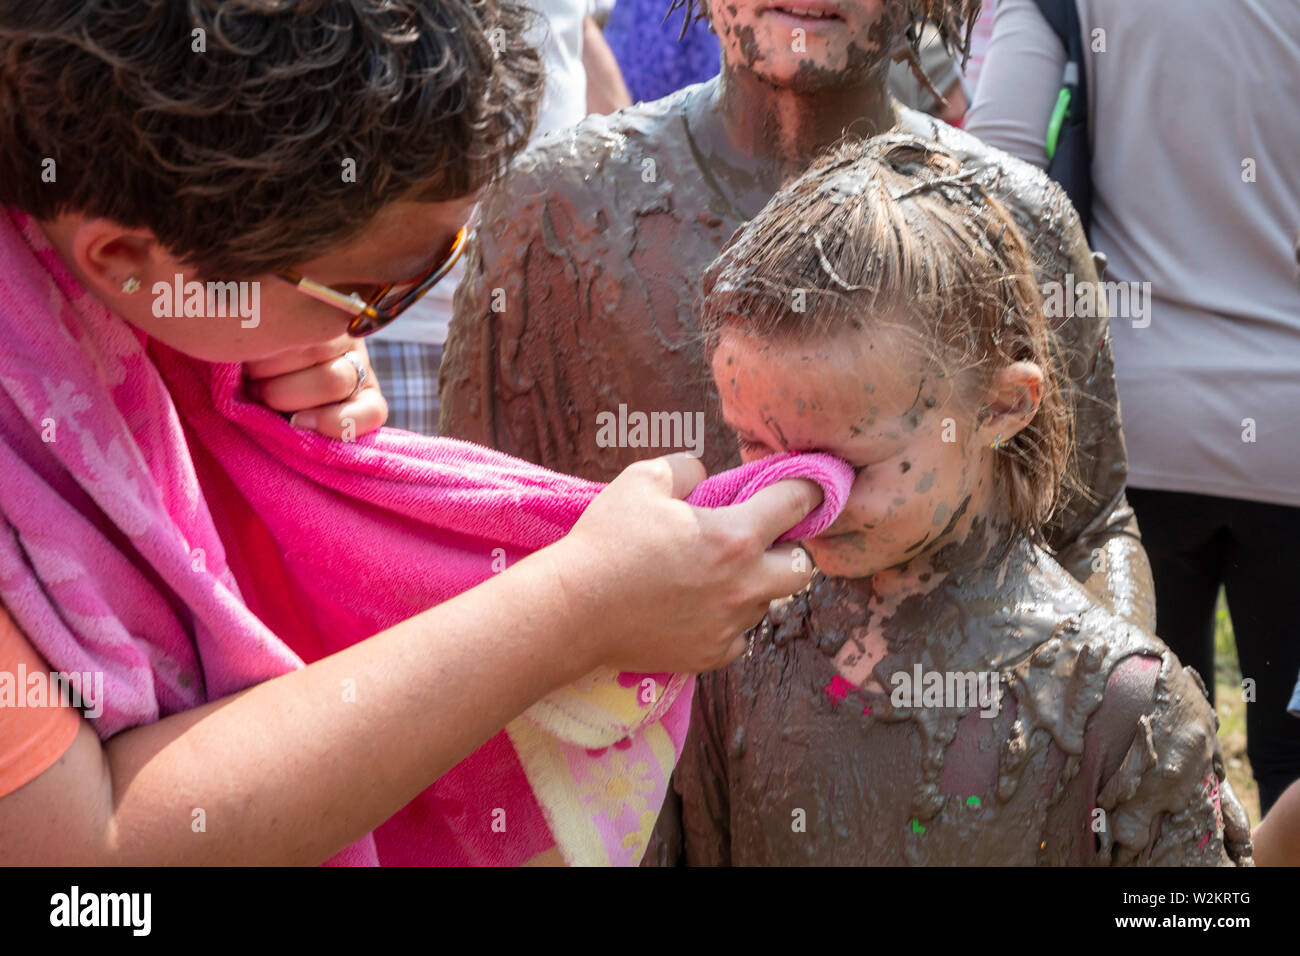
(654, 62)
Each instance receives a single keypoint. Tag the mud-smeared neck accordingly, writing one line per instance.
(840, 607)
(752, 136)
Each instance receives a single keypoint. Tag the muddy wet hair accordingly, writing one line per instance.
(955, 19)
(233, 157)
(893, 227)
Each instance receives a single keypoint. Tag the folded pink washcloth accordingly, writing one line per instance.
(739, 484)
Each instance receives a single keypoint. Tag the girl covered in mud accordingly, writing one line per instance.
(882, 308)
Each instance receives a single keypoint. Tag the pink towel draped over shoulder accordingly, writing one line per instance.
(162, 530)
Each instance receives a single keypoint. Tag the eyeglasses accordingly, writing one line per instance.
(390, 301)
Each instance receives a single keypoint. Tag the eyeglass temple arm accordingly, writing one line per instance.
(351, 303)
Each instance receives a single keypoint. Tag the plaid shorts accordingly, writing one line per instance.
(408, 376)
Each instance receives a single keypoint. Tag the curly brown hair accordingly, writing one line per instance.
(223, 126)
(895, 225)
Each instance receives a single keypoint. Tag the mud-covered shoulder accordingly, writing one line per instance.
(1100, 684)
(1040, 206)
(598, 172)
(1170, 803)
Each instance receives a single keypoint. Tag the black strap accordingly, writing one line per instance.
(1071, 164)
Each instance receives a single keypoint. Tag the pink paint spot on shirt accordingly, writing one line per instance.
(838, 689)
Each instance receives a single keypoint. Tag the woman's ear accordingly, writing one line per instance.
(112, 261)
(1012, 401)
(109, 255)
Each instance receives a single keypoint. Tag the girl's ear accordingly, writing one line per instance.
(1012, 401)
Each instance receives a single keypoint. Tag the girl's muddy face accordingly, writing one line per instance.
(807, 44)
(922, 466)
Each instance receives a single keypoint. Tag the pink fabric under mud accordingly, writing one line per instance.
(161, 529)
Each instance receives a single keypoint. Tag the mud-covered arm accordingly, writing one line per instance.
(698, 826)
(501, 382)
(1094, 533)
(1170, 803)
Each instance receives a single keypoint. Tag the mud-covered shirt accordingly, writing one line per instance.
(1102, 750)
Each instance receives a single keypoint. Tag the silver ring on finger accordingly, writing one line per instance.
(362, 374)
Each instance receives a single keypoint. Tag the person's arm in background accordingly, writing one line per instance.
(288, 775)
(606, 91)
(1019, 83)
(1277, 838)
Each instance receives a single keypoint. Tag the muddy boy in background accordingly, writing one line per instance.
(581, 293)
(922, 357)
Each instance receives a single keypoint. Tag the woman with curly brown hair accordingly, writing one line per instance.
(316, 162)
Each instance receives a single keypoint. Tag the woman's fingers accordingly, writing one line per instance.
(738, 647)
(664, 587)
(331, 382)
(777, 508)
(346, 420)
(676, 474)
(786, 568)
(319, 387)
(286, 362)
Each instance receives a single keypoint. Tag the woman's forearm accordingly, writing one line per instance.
(293, 770)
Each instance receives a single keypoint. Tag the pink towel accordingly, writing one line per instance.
(187, 543)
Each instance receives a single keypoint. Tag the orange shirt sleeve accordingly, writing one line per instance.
(31, 738)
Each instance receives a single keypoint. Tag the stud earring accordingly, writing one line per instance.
(995, 445)
(131, 285)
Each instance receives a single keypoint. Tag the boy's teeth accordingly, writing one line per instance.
(811, 14)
